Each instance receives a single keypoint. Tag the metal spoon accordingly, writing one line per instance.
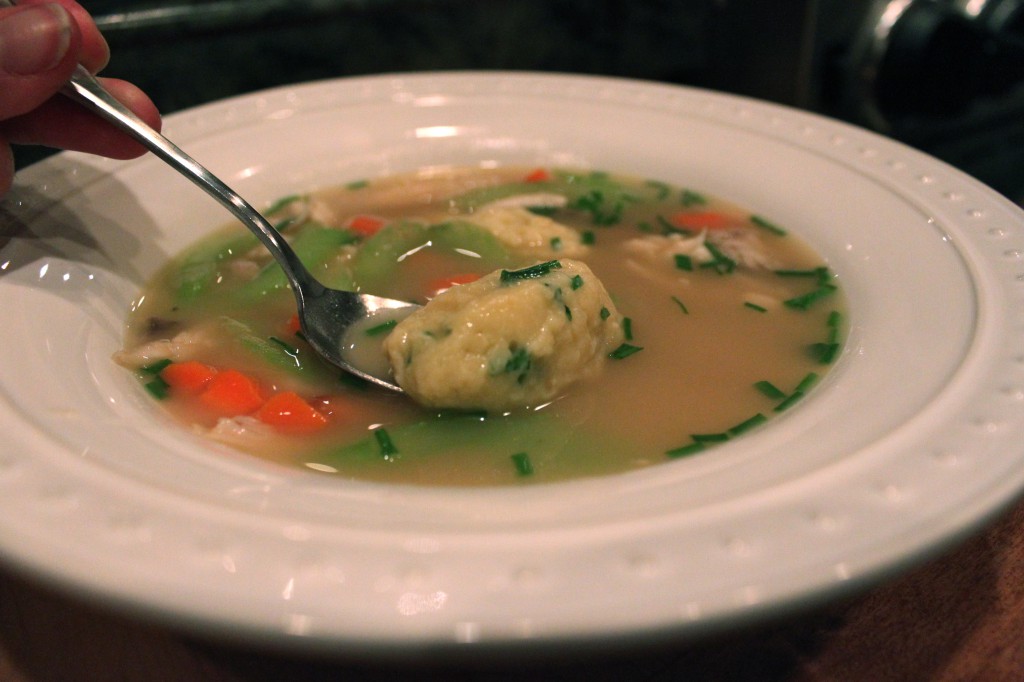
(324, 314)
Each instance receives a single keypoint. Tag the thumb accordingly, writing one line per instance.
(36, 47)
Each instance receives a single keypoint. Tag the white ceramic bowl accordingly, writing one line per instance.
(912, 441)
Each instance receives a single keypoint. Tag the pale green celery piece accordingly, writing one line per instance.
(484, 195)
(465, 236)
(378, 256)
(314, 245)
(376, 263)
(197, 269)
(556, 448)
(305, 363)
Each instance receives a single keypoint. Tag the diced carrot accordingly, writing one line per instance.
(288, 412)
(538, 175)
(231, 393)
(189, 376)
(701, 220)
(365, 225)
(442, 283)
(293, 326)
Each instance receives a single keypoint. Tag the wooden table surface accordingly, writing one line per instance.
(959, 617)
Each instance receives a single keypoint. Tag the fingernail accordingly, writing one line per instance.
(35, 39)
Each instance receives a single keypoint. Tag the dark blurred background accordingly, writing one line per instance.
(946, 76)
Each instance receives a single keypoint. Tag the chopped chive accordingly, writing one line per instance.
(624, 351)
(825, 353)
(684, 262)
(568, 313)
(358, 184)
(710, 437)
(522, 463)
(587, 237)
(660, 188)
(627, 328)
(721, 263)
(576, 282)
(556, 243)
(156, 367)
(744, 426)
(812, 272)
(686, 450)
(157, 387)
(281, 203)
(532, 272)
(519, 360)
(789, 401)
(682, 306)
(834, 318)
(806, 382)
(668, 228)
(767, 225)
(770, 390)
(546, 211)
(804, 302)
(754, 306)
(387, 448)
(381, 328)
(285, 346)
(605, 313)
(691, 198)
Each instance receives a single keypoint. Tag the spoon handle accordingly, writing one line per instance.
(87, 91)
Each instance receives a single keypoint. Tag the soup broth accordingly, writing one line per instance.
(728, 321)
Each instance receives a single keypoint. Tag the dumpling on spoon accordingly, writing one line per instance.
(510, 339)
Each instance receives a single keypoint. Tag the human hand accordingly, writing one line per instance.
(41, 41)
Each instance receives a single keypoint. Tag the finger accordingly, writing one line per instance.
(38, 47)
(6, 166)
(94, 53)
(64, 124)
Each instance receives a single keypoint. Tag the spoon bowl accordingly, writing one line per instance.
(325, 315)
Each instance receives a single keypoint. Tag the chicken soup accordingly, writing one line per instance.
(573, 324)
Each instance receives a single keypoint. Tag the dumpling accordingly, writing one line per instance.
(510, 339)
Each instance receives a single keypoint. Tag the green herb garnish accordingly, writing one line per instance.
(532, 272)
(686, 450)
(767, 225)
(156, 367)
(744, 426)
(576, 282)
(684, 262)
(754, 306)
(522, 463)
(624, 351)
(387, 448)
(382, 328)
(682, 306)
(770, 390)
(627, 328)
(805, 301)
(157, 387)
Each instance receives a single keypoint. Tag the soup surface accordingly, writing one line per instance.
(727, 320)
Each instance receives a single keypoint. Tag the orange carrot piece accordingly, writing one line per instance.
(189, 376)
(288, 412)
(701, 220)
(293, 326)
(537, 175)
(442, 283)
(365, 225)
(231, 393)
